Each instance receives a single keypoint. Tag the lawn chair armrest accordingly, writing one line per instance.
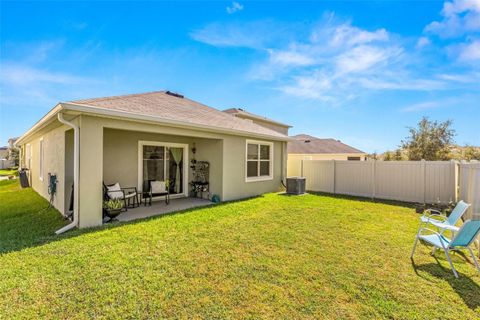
(433, 216)
(428, 212)
(432, 210)
(446, 226)
(130, 189)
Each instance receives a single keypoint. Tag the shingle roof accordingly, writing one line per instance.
(162, 105)
(246, 114)
(316, 145)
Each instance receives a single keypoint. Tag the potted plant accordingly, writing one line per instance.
(113, 208)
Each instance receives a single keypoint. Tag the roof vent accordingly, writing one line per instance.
(307, 141)
(174, 94)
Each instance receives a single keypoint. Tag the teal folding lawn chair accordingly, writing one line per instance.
(442, 222)
(463, 239)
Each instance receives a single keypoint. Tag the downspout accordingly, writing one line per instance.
(76, 173)
(284, 169)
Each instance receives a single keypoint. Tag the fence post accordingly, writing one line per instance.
(456, 173)
(470, 188)
(424, 180)
(374, 164)
(333, 173)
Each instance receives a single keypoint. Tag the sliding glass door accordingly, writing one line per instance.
(163, 162)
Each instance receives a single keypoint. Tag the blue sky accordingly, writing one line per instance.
(358, 71)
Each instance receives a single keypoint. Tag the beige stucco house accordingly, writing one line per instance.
(306, 147)
(88, 142)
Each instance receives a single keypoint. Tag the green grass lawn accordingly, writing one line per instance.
(274, 256)
(8, 172)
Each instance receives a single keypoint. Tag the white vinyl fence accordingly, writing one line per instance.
(5, 164)
(410, 181)
(469, 187)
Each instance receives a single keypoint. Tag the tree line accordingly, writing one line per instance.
(431, 141)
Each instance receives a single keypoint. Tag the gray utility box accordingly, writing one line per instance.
(296, 185)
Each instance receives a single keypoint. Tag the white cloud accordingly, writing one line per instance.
(470, 52)
(422, 106)
(460, 17)
(255, 35)
(234, 7)
(315, 86)
(422, 42)
(459, 6)
(398, 82)
(340, 61)
(467, 77)
(364, 57)
(435, 104)
(23, 75)
(334, 61)
(346, 35)
(22, 84)
(290, 58)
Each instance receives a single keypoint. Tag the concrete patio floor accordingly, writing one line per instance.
(159, 208)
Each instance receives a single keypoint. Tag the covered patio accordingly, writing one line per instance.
(135, 158)
(160, 208)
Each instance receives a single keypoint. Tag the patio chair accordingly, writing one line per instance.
(465, 236)
(440, 221)
(156, 189)
(129, 195)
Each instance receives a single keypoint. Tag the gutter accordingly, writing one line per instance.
(76, 173)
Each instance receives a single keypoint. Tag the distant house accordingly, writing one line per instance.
(306, 147)
(3, 153)
(138, 138)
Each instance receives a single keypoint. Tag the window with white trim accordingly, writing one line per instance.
(259, 158)
(28, 155)
(42, 160)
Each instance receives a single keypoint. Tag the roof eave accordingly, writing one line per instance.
(135, 116)
(39, 124)
(324, 153)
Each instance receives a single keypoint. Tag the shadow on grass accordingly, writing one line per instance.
(364, 199)
(43, 239)
(467, 289)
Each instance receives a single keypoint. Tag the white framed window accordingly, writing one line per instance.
(41, 158)
(28, 155)
(258, 161)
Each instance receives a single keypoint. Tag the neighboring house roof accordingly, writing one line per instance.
(244, 114)
(305, 144)
(164, 107)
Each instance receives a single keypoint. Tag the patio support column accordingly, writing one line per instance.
(91, 172)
